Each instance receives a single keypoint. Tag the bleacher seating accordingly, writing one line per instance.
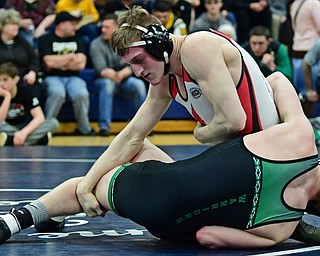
(123, 109)
(300, 86)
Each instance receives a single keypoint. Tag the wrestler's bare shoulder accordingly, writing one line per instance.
(202, 41)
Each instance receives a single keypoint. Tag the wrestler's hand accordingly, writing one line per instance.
(199, 133)
(88, 201)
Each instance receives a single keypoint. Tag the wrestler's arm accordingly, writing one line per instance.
(125, 146)
(280, 141)
(215, 237)
(285, 97)
(205, 63)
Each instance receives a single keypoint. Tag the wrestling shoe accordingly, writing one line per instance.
(306, 233)
(50, 225)
(5, 232)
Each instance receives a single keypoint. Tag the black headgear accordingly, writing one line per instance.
(155, 39)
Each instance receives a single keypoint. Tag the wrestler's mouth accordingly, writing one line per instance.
(146, 76)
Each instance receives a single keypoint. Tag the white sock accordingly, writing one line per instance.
(12, 223)
(58, 218)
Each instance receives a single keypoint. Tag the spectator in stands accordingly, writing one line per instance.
(114, 76)
(33, 13)
(118, 6)
(249, 13)
(213, 18)
(311, 58)
(100, 5)
(22, 121)
(278, 10)
(269, 54)
(62, 55)
(306, 26)
(305, 20)
(14, 48)
(312, 87)
(87, 27)
(174, 25)
(229, 30)
(184, 10)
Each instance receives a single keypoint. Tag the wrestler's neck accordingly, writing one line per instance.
(175, 58)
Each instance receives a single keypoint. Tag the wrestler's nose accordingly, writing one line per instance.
(137, 69)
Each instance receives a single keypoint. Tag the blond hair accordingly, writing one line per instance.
(125, 35)
(8, 16)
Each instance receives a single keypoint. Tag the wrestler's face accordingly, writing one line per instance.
(144, 65)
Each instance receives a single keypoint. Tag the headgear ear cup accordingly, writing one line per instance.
(158, 42)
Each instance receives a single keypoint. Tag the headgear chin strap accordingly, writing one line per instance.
(155, 39)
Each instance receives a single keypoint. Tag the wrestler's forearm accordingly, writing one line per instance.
(285, 97)
(120, 151)
(220, 129)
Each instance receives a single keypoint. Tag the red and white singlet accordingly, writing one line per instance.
(254, 91)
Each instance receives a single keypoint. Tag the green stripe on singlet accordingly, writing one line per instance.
(111, 186)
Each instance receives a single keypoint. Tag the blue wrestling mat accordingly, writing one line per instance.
(28, 172)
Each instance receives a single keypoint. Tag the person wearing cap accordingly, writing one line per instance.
(62, 55)
(87, 27)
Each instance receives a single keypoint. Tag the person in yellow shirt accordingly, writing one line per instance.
(174, 25)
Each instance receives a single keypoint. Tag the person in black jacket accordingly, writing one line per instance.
(16, 49)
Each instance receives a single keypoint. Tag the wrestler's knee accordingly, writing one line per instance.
(73, 182)
(75, 179)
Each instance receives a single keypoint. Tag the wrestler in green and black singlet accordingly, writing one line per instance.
(226, 185)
